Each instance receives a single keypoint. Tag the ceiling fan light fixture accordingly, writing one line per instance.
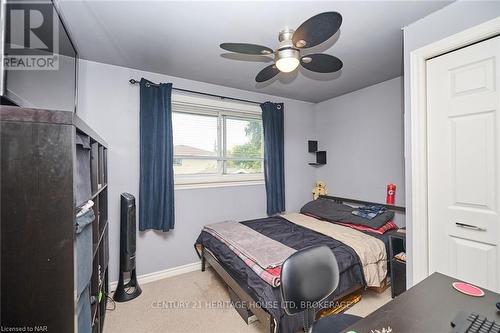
(287, 60)
(287, 65)
(314, 31)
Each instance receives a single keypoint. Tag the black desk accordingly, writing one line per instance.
(428, 307)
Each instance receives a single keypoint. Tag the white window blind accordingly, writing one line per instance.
(216, 141)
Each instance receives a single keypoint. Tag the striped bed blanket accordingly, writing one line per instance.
(262, 254)
(265, 255)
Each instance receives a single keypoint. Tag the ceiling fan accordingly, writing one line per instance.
(292, 43)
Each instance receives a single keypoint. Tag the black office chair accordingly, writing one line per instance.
(308, 277)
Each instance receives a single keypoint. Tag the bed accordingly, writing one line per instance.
(296, 231)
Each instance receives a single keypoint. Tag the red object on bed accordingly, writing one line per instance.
(390, 225)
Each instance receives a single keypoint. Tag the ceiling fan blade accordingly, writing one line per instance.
(267, 73)
(317, 29)
(321, 63)
(246, 48)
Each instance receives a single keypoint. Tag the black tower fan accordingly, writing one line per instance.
(129, 290)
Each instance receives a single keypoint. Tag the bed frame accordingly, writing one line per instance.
(265, 317)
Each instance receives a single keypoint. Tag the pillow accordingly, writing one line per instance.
(383, 229)
(334, 212)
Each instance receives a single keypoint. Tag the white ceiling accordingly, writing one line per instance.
(182, 39)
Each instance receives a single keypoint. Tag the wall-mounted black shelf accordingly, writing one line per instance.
(320, 154)
(312, 146)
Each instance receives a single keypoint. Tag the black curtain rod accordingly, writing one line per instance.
(134, 81)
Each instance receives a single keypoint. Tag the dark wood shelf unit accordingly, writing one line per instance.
(96, 193)
(312, 147)
(38, 219)
(101, 236)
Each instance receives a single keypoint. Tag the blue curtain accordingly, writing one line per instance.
(156, 188)
(274, 156)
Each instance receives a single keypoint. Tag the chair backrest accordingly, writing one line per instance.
(307, 276)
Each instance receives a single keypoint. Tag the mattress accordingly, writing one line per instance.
(296, 237)
(384, 238)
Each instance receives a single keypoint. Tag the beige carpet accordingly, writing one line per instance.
(196, 302)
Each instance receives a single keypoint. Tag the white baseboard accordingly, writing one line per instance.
(155, 276)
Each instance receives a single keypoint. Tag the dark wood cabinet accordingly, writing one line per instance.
(38, 219)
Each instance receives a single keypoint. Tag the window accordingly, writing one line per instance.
(216, 141)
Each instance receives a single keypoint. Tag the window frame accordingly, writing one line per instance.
(223, 110)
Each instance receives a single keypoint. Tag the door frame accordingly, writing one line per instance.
(418, 135)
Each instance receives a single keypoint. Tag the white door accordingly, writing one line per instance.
(463, 129)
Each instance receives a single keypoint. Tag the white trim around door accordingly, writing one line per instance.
(418, 137)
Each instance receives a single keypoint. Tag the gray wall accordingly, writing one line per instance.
(44, 89)
(110, 105)
(362, 133)
(447, 21)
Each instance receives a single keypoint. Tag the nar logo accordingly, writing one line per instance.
(32, 36)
